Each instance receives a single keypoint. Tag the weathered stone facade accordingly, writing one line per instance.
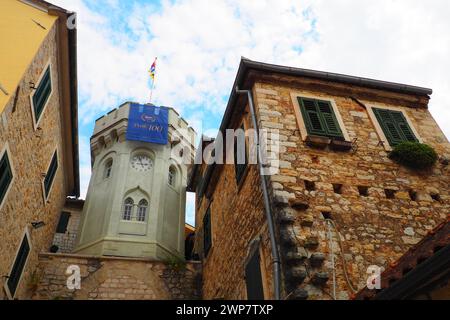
(237, 218)
(110, 278)
(373, 229)
(67, 241)
(378, 209)
(30, 152)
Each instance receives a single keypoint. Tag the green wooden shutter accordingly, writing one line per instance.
(330, 120)
(5, 175)
(240, 167)
(51, 173)
(403, 126)
(319, 118)
(19, 265)
(394, 125)
(311, 115)
(253, 278)
(207, 239)
(63, 222)
(42, 94)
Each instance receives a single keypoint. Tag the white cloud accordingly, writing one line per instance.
(190, 208)
(85, 164)
(402, 41)
(199, 44)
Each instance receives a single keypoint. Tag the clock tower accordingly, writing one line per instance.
(135, 204)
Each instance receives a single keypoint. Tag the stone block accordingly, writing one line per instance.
(299, 294)
(320, 278)
(317, 259)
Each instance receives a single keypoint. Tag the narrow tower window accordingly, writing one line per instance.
(142, 210)
(108, 169)
(128, 209)
(172, 176)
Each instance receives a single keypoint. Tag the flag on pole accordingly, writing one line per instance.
(153, 70)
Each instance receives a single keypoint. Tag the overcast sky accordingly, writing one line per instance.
(199, 44)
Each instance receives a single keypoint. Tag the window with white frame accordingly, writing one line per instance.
(20, 262)
(6, 175)
(127, 213)
(51, 174)
(142, 210)
(395, 126)
(320, 118)
(42, 94)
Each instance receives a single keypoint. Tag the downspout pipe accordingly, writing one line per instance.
(267, 207)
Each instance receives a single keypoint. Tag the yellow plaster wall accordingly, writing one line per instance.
(20, 39)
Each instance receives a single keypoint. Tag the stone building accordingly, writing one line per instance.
(338, 203)
(422, 273)
(135, 204)
(65, 238)
(127, 239)
(38, 134)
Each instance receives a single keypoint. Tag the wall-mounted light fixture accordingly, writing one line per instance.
(32, 85)
(37, 224)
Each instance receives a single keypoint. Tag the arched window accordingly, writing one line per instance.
(128, 209)
(142, 210)
(108, 169)
(172, 176)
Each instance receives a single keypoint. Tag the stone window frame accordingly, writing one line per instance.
(377, 126)
(98, 172)
(6, 150)
(25, 233)
(136, 198)
(49, 64)
(108, 168)
(256, 245)
(125, 206)
(172, 176)
(142, 204)
(299, 116)
(47, 197)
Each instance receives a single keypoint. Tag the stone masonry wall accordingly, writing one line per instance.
(237, 218)
(30, 154)
(373, 229)
(66, 242)
(104, 278)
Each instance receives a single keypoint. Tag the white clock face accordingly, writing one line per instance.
(141, 162)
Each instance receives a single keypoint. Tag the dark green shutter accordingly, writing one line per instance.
(63, 222)
(207, 240)
(5, 175)
(253, 278)
(319, 118)
(311, 115)
(240, 167)
(329, 118)
(394, 125)
(51, 173)
(19, 265)
(403, 126)
(42, 94)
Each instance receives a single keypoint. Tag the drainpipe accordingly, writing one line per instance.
(268, 211)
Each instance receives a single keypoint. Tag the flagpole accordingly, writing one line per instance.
(151, 90)
(152, 74)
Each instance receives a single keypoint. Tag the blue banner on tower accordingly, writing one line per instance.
(148, 123)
